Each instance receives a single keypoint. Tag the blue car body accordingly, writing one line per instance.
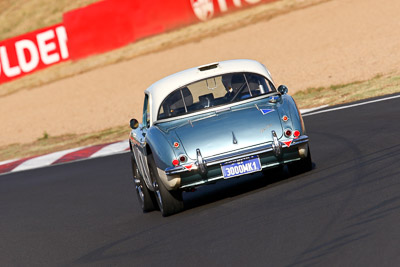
(190, 139)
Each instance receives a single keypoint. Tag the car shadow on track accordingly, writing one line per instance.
(236, 187)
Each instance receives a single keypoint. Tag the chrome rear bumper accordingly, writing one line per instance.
(233, 155)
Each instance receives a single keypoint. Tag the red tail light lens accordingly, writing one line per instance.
(175, 162)
(288, 132)
(296, 133)
(182, 158)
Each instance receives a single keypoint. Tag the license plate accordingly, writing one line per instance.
(241, 167)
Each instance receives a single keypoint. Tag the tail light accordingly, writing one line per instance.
(175, 162)
(182, 158)
(296, 133)
(288, 132)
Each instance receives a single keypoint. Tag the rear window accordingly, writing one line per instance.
(215, 91)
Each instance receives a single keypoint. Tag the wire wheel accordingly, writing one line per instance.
(169, 201)
(145, 196)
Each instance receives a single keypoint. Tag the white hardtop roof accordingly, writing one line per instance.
(161, 89)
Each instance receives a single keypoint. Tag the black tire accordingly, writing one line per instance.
(147, 199)
(301, 166)
(169, 202)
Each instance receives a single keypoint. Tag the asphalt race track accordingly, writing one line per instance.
(345, 212)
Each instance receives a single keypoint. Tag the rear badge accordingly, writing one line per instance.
(273, 99)
(287, 143)
(265, 111)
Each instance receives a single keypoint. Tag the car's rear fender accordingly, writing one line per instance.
(163, 153)
(295, 119)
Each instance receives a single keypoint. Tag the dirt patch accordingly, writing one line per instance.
(192, 33)
(332, 43)
(20, 16)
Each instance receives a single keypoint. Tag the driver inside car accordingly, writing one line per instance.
(235, 86)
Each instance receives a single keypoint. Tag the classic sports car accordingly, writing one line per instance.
(216, 121)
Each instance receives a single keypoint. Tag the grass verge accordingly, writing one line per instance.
(312, 97)
(344, 93)
(48, 144)
(21, 16)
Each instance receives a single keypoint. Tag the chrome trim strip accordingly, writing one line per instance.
(260, 149)
(203, 182)
(176, 170)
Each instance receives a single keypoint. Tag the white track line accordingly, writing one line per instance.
(353, 105)
(121, 147)
(43, 160)
(308, 110)
(112, 149)
(7, 161)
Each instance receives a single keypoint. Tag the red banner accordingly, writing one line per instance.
(110, 24)
(32, 51)
(99, 27)
(104, 26)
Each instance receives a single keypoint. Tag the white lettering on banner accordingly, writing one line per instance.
(8, 71)
(30, 52)
(62, 41)
(204, 9)
(253, 1)
(237, 3)
(222, 5)
(46, 47)
(30, 46)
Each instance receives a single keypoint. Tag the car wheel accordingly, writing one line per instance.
(303, 165)
(145, 196)
(169, 202)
